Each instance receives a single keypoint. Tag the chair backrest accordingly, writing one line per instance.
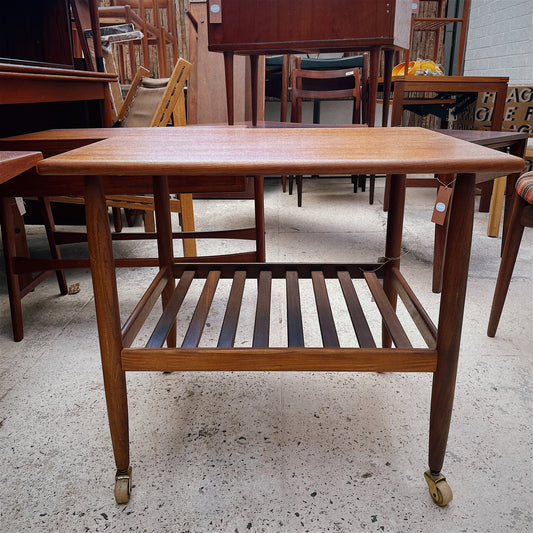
(325, 85)
(154, 102)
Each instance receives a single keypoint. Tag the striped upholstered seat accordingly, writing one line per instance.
(524, 187)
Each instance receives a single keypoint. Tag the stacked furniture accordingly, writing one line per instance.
(156, 19)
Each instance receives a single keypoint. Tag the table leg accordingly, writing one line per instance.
(228, 70)
(7, 210)
(518, 149)
(441, 230)
(187, 223)
(164, 242)
(387, 82)
(254, 75)
(109, 332)
(259, 218)
(455, 275)
(393, 243)
(496, 204)
(375, 53)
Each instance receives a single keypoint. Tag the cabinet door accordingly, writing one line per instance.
(36, 32)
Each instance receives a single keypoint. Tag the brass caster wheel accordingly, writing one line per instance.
(123, 485)
(438, 488)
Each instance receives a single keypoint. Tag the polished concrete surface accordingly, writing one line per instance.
(272, 452)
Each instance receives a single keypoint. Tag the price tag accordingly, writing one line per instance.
(215, 11)
(441, 205)
(20, 204)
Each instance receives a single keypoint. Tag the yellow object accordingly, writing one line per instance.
(418, 67)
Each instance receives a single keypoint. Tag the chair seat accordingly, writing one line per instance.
(524, 187)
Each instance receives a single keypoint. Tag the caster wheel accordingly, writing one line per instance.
(440, 491)
(123, 485)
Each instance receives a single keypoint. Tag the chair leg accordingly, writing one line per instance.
(354, 183)
(149, 221)
(187, 224)
(372, 189)
(299, 185)
(510, 251)
(284, 183)
(291, 182)
(117, 219)
(362, 182)
(49, 226)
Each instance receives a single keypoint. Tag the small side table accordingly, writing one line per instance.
(402, 85)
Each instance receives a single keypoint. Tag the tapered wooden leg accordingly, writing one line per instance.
(49, 226)
(228, 70)
(259, 218)
(254, 75)
(440, 241)
(299, 189)
(393, 245)
(108, 319)
(372, 189)
(164, 242)
(375, 53)
(455, 275)
(387, 82)
(438, 255)
(117, 219)
(515, 231)
(187, 223)
(386, 193)
(10, 251)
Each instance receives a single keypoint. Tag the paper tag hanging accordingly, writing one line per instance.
(20, 205)
(441, 205)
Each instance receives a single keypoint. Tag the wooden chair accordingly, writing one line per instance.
(155, 34)
(322, 84)
(151, 103)
(521, 217)
(435, 25)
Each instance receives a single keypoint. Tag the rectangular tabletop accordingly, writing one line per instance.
(216, 151)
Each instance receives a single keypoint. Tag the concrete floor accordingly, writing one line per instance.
(272, 452)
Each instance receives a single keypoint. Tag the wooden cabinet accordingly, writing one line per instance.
(279, 26)
(34, 32)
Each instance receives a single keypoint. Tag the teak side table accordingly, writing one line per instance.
(219, 151)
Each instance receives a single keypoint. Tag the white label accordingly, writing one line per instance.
(215, 8)
(440, 207)
(20, 205)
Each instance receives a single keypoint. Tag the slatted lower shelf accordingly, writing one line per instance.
(258, 352)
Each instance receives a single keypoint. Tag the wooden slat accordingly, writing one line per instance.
(262, 313)
(194, 332)
(295, 332)
(135, 321)
(359, 322)
(286, 359)
(168, 317)
(325, 316)
(278, 270)
(231, 317)
(388, 314)
(422, 320)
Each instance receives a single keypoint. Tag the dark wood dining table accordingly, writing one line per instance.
(164, 159)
